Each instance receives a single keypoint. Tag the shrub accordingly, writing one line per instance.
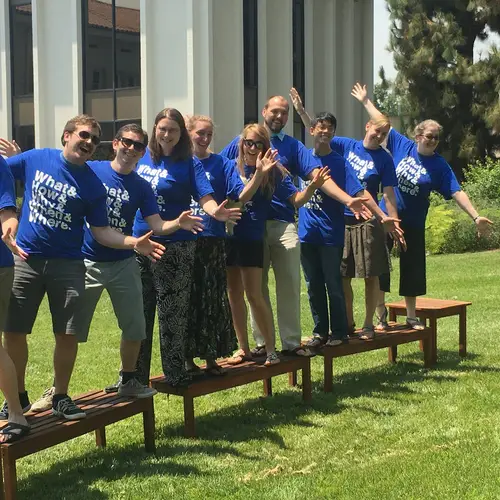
(482, 182)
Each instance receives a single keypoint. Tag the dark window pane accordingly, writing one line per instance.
(250, 60)
(299, 77)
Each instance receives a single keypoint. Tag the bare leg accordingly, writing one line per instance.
(411, 307)
(64, 360)
(129, 352)
(16, 345)
(380, 309)
(236, 295)
(349, 302)
(371, 299)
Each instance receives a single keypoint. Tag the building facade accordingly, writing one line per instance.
(124, 60)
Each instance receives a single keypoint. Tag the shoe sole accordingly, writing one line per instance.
(138, 396)
(36, 409)
(78, 416)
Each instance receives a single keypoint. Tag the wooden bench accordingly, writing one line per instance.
(47, 430)
(432, 309)
(245, 373)
(396, 335)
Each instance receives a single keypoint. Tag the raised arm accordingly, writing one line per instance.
(360, 93)
(299, 107)
(483, 225)
(302, 197)
(263, 167)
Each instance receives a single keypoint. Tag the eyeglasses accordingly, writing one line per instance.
(249, 143)
(84, 135)
(431, 137)
(138, 146)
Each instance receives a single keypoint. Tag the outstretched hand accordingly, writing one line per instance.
(391, 225)
(483, 226)
(360, 93)
(321, 176)
(190, 222)
(8, 148)
(223, 214)
(10, 242)
(265, 163)
(145, 246)
(358, 208)
(297, 101)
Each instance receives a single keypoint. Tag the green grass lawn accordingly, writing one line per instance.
(386, 432)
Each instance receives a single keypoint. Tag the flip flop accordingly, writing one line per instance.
(238, 357)
(306, 352)
(14, 432)
(415, 323)
(216, 371)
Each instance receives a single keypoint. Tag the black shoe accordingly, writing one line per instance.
(113, 387)
(67, 409)
(335, 341)
(25, 405)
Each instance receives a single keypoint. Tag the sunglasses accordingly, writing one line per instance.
(84, 135)
(431, 137)
(139, 147)
(249, 143)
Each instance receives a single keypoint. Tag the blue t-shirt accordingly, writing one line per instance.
(58, 197)
(173, 183)
(126, 194)
(7, 201)
(226, 183)
(321, 219)
(373, 167)
(295, 157)
(418, 175)
(252, 225)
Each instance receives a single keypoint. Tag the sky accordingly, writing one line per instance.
(381, 40)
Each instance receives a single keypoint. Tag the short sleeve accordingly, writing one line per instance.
(17, 164)
(342, 144)
(7, 189)
(396, 142)
(448, 184)
(234, 184)
(231, 150)
(148, 206)
(388, 171)
(352, 184)
(306, 161)
(200, 185)
(285, 188)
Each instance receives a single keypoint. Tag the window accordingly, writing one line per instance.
(250, 61)
(299, 76)
(21, 49)
(112, 63)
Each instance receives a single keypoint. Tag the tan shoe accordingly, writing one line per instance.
(45, 401)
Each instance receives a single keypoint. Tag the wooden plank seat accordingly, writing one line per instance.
(394, 336)
(236, 375)
(433, 309)
(47, 430)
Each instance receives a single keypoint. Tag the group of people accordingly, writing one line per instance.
(170, 227)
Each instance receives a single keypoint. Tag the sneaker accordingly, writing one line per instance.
(45, 401)
(66, 408)
(25, 405)
(113, 387)
(134, 389)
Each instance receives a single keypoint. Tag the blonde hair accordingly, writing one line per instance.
(192, 120)
(268, 184)
(420, 128)
(380, 121)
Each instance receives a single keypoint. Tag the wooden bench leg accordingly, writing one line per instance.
(421, 342)
(148, 420)
(433, 327)
(268, 387)
(392, 314)
(328, 374)
(100, 437)
(9, 476)
(189, 430)
(393, 353)
(306, 381)
(1, 478)
(462, 335)
(428, 352)
(292, 378)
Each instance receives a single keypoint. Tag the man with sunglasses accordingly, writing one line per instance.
(61, 192)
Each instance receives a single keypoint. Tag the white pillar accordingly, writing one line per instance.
(196, 65)
(5, 86)
(275, 21)
(57, 67)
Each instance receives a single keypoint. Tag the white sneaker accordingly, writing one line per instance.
(134, 389)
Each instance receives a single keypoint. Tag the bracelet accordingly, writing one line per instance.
(476, 217)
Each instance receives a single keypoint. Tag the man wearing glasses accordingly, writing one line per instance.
(61, 192)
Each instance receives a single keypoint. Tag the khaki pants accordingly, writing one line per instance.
(282, 252)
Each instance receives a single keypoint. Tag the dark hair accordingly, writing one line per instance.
(324, 116)
(71, 125)
(135, 129)
(183, 149)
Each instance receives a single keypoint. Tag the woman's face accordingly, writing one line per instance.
(428, 140)
(375, 135)
(201, 135)
(167, 134)
(253, 145)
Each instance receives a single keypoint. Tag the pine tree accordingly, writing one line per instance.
(433, 46)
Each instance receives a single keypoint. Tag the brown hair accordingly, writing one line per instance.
(183, 149)
(420, 128)
(192, 120)
(75, 122)
(269, 182)
(135, 129)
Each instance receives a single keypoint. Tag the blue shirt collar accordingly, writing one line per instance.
(280, 135)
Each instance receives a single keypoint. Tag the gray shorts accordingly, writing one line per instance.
(122, 280)
(64, 282)
(6, 280)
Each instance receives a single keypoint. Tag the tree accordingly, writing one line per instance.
(433, 46)
(389, 100)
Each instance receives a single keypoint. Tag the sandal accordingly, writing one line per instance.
(299, 351)
(14, 432)
(415, 323)
(333, 342)
(367, 333)
(239, 357)
(272, 359)
(215, 370)
(195, 371)
(258, 351)
(382, 324)
(316, 342)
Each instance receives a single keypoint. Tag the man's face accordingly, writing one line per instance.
(129, 149)
(322, 132)
(275, 114)
(81, 144)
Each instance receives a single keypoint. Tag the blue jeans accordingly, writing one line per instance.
(321, 265)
